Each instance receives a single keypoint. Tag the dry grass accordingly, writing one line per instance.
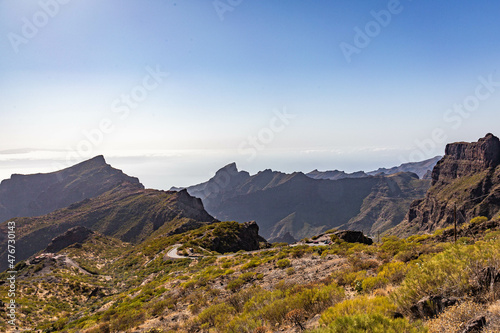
(455, 318)
(493, 318)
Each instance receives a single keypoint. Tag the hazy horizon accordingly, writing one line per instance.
(171, 91)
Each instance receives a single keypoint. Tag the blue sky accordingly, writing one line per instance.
(231, 71)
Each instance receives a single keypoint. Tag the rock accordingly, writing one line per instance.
(73, 236)
(245, 237)
(431, 306)
(487, 278)
(350, 236)
(475, 325)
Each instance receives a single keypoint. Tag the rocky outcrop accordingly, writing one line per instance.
(76, 235)
(39, 194)
(465, 180)
(350, 236)
(245, 238)
(431, 306)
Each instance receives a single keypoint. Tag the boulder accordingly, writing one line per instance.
(350, 236)
(431, 306)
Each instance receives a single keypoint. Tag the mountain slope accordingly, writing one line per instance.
(127, 212)
(468, 178)
(34, 195)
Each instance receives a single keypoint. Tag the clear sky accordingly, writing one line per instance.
(170, 91)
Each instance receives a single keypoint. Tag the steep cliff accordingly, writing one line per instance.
(468, 178)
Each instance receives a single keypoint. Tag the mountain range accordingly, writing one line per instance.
(293, 206)
(132, 259)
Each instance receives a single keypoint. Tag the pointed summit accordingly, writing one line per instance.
(32, 195)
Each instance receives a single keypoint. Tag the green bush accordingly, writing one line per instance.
(451, 273)
(478, 219)
(283, 263)
(216, 316)
(235, 284)
(371, 323)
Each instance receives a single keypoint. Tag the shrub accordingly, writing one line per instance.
(283, 263)
(478, 219)
(373, 282)
(297, 317)
(393, 271)
(452, 273)
(358, 306)
(216, 315)
(371, 323)
(247, 277)
(235, 284)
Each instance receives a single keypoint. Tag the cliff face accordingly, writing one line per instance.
(468, 178)
(34, 195)
(463, 159)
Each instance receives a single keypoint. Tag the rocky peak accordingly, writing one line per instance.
(464, 158)
(231, 168)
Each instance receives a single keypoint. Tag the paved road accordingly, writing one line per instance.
(173, 253)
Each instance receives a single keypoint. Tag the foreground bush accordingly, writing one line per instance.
(454, 272)
(365, 314)
(370, 323)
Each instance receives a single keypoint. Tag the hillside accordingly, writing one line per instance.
(127, 212)
(294, 206)
(468, 178)
(419, 284)
(34, 195)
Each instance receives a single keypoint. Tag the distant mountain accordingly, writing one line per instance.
(294, 206)
(335, 174)
(468, 177)
(34, 195)
(225, 179)
(127, 212)
(420, 168)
